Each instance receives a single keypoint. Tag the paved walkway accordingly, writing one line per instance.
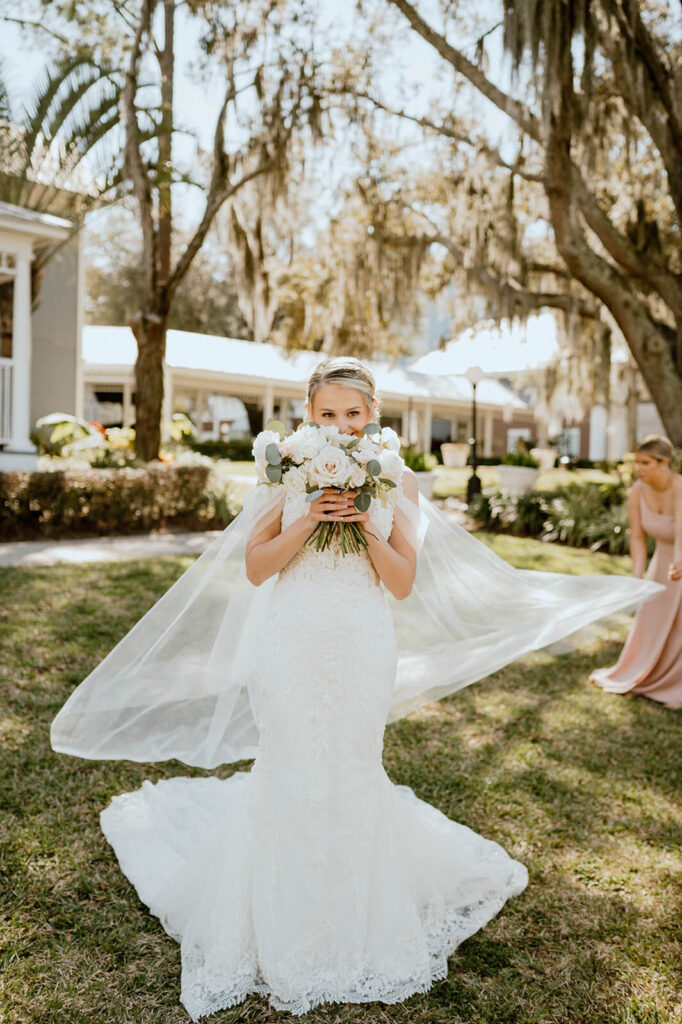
(116, 549)
(103, 549)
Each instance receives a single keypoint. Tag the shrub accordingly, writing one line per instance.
(238, 450)
(589, 515)
(107, 501)
(419, 462)
(520, 459)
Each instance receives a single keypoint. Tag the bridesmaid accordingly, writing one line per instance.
(650, 663)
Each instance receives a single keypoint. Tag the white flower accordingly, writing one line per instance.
(390, 439)
(303, 444)
(365, 450)
(294, 480)
(392, 466)
(330, 433)
(357, 477)
(330, 468)
(261, 442)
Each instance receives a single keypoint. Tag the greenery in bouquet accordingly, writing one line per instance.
(315, 458)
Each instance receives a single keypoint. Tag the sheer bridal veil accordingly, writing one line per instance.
(177, 685)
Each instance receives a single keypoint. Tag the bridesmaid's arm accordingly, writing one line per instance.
(638, 547)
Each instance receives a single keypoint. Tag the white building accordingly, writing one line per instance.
(202, 372)
(39, 348)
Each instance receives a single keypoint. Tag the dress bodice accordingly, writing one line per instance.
(657, 524)
(312, 566)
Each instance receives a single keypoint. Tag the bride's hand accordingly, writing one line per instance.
(674, 571)
(336, 506)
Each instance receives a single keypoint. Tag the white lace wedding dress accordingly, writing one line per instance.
(311, 878)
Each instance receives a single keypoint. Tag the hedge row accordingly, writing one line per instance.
(102, 501)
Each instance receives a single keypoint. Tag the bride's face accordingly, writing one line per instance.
(341, 407)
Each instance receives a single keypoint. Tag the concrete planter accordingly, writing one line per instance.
(425, 482)
(455, 455)
(517, 479)
(545, 456)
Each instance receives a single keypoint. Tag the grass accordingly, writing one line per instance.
(583, 787)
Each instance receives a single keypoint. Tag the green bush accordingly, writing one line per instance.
(108, 501)
(236, 450)
(520, 459)
(419, 462)
(582, 515)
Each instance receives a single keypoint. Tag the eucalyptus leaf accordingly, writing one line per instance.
(277, 426)
(362, 502)
(373, 466)
(272, 455)
(273, 473)
(371, 428)
(314, 495)
(386, 482)
(353, 443)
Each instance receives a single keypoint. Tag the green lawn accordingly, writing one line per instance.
(581, 786)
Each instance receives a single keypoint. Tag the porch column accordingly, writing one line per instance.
(128, 411)
(268, 404)
(488, 435)
(405, 426)
(426, 419)
(21, 358)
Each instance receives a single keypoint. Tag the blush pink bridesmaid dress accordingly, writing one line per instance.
(650, 663)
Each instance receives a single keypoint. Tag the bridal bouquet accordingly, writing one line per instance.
(314, 457)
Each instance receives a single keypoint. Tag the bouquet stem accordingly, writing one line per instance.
(351, 536)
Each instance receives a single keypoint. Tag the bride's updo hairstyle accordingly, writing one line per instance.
(657, 446)
(347, 373)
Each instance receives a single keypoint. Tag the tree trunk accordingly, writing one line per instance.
(166, 64)
(652, 350)
(150, 333)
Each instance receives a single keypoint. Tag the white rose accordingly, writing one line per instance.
(357, 477)
(330, 433)
(392, 466)
(330, 468)
(294, 480)
(261, 442)
(304, 444)
(366, 450)
(390, 439)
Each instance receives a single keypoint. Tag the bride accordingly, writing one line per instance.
(312, 878)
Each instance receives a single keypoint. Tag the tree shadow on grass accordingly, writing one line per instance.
(561, 774)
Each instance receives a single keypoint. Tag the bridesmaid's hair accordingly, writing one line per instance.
(657, 446)
(347, 373)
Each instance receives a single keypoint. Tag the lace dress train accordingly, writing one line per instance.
(311, 878)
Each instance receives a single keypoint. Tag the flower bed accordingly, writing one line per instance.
(110, 501)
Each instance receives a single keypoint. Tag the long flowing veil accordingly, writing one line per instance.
(177, 685)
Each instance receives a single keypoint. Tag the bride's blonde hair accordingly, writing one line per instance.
(657, 446)
(347, 373)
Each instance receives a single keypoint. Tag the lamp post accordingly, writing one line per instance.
(474, 375)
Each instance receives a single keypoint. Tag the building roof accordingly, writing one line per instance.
(35, 225)
(496, 348)
(106, 348)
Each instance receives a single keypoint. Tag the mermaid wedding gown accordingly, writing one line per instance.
(311, 878)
